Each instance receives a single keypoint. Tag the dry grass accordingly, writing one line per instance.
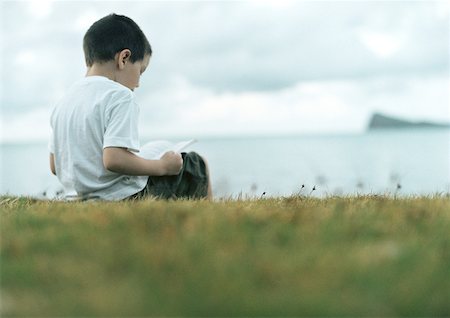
(359, 256)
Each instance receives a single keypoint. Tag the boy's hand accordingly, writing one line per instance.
(172, 163)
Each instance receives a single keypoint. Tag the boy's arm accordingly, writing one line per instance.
(122, 161)
(52, 164)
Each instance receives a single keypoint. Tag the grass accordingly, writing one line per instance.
(358, 256)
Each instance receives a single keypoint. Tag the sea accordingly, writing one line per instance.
(404, 162)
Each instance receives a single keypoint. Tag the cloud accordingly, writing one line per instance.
(382, 44)
(289, 66)
(39, 9)
(262, 49)
(30, 127)
(333, 106)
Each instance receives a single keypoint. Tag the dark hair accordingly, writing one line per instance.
(112, 34)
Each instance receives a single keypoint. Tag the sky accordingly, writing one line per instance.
(238, 68)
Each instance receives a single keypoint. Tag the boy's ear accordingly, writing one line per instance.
(122, 58)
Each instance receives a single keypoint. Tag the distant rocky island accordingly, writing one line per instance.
(380, 121)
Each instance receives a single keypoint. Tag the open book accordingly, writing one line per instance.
(155, 149)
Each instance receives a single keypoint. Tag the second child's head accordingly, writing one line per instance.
(117, 42)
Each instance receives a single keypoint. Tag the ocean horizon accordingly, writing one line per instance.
(396, 161)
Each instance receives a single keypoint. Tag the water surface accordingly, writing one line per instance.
(387, 161)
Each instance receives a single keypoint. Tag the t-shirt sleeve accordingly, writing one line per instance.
(122, 126)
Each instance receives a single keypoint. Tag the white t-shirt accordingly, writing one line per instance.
(94, 114)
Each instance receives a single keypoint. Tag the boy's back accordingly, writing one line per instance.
(94, 114)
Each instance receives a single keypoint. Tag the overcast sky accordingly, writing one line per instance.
(238, 68)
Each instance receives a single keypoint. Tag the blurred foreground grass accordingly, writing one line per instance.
(298, 256)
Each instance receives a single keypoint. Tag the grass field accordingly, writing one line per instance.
(359, 256)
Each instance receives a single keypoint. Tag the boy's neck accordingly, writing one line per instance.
(104, 69)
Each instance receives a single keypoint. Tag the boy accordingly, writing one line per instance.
(94, 126)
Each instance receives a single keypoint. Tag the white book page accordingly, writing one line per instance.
(155, 149)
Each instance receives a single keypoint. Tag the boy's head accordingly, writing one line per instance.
(112, 34)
